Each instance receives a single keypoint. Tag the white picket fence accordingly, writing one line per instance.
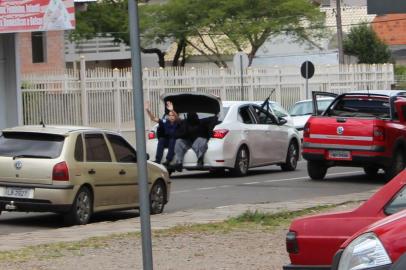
(103, 97)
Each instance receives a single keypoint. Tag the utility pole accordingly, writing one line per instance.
(339, 33)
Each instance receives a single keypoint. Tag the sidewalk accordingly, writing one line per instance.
(164, 221)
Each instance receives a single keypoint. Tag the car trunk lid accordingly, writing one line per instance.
(340, 130)
(194, 102)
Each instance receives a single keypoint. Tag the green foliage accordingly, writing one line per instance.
(363, 42)
(400, 70)
(213, 27)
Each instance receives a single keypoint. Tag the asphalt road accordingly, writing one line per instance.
(201, 190)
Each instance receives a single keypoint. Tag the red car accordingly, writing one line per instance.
(376, 247)
(312, 241)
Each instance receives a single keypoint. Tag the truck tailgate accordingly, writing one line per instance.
(336, 130)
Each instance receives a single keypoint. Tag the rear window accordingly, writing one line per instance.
(361, 107)
(13, 144)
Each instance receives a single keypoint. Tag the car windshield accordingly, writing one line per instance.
(26, 144)
(361, 106)
(305, 108)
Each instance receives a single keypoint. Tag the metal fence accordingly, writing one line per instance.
(103, 97)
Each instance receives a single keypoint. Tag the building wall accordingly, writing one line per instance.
(55, 53)
(9, 97)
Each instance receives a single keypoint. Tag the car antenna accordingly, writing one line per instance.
(42, 123)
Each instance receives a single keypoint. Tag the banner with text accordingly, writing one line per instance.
(36, 15)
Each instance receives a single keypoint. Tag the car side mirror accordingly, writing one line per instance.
(282, 121)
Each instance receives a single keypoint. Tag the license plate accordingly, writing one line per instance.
(339, 154)
(15, 192)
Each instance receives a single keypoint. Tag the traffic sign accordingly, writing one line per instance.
(307, 69)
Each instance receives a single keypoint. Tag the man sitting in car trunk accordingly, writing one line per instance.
(192, 133)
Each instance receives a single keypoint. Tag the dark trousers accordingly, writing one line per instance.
(163, 143)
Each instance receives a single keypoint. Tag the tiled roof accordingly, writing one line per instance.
(391, 28)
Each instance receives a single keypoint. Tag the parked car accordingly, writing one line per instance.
(359, 129)
(302, 110)
(377, 247)
(312, 241)
(75, 171)
(245, 136)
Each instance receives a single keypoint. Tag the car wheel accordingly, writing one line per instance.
(157, 198)
(371, 172)
(396, 166)
(241, 162)
(291, 157)
(316, 170)
(82, 208)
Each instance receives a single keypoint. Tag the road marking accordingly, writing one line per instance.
(307, 177)
(206, 188)
(181, 191)
(251, 183)
(266, 181)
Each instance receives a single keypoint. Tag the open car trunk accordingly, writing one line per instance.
(194, 102)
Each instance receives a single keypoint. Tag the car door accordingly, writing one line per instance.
(100, 169)
(250, 133)
(275, 137)
(126, 174)
(315, 95)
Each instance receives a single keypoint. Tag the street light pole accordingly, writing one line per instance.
(140, 135)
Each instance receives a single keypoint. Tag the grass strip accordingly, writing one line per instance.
(247, 220)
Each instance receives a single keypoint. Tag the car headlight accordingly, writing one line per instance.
(363, 252)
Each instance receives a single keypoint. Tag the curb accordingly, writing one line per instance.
(165, 221)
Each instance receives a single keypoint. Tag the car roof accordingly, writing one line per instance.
(310, 100)
(389, 93)
(52, 129)
(237, 103)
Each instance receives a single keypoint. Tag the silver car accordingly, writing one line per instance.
(246, 135)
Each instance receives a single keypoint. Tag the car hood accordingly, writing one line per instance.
(194, 102)
(300, 120)
(381, 225)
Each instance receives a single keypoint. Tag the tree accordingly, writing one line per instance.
(212, 27)
(363, 42)
(249, 23)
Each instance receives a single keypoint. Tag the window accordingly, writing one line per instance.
(244, 116)
(38, 44)
(264, 118)
(79, 148)
(397, 204)
(96, 148)
(122, 150)
(31, 144)
(278, 110)
(361, 106)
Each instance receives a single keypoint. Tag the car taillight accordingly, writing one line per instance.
(306, 130)
(151, 135)
(291, 243)
(219, 133)
(379, 133)
(60, 172)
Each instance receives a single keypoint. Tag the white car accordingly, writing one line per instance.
(245, 136)
(302, 110)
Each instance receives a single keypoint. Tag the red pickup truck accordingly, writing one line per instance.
(312, 241)
(359, 129)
